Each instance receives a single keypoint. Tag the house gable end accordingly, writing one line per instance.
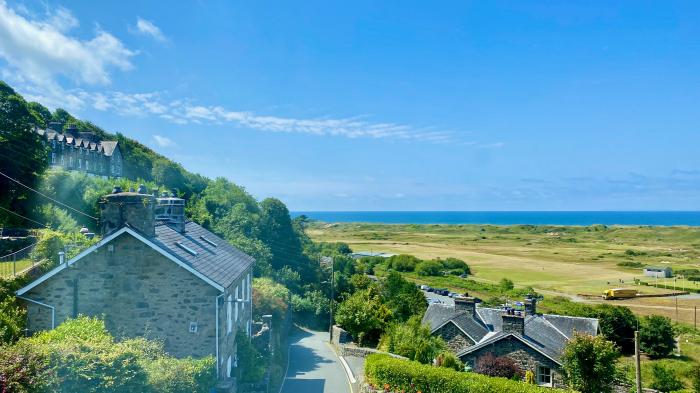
(104, 242)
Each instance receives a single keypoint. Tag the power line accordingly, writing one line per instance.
(48, 197)
(21, 216)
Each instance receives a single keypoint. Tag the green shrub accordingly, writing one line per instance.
(404, 375)
(695, 377)
(589, 363)
(170, 375)
(656, 336)
(363, 315)
(412, 340)
(429, 268)
(663, 379)
(449, 360)
(402, 263)
(251, 364)
(81, 356)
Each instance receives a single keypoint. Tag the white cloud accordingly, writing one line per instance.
(39, 51)
(148, 28)
(163, 141)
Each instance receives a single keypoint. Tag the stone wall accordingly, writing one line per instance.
(138, 291)
(455, 338)
(522, 354)
(340, 336)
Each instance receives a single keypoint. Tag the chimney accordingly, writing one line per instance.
(130, 209)
(56, 126)
(531, 304)
(467, 304)
(171, 210)
(513, 322)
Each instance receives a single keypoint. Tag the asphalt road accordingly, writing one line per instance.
(313, 366)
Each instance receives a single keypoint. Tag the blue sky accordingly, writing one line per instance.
(502, 105)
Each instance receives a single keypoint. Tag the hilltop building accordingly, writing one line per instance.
(82, 151)
(658, 272)
(534, 341)
(153, 272)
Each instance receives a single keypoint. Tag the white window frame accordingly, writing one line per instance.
(229, 320)
(236, 308)
(541, 374)
(228, 367)
(250, 287)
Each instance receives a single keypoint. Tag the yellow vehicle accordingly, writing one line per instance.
(619, 293)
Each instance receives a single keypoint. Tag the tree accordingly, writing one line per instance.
(617, 324)
(402, 297)
(663, 379)
(23, 155)
(277, 232)
(412, 340)
(429, 268)
(656, 336)
(402, 263)
(498, 366)
(506, 285)
(589, 363)
(363, 315)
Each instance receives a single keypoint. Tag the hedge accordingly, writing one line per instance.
(397, 375)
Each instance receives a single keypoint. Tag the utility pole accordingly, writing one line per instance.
(331, 302)
(676, 308)
(637, 365)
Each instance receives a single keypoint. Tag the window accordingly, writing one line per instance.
(53, 158)
(229, 321)
(193, 327)
(80, 163)
(63, 162)
(248, 293)
(228, 367)
(544, 376)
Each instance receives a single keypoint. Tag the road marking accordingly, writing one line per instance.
(347, 369)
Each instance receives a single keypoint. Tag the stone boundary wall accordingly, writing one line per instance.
(340, 336)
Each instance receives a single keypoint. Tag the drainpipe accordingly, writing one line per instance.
(218, 366)
(53, 309)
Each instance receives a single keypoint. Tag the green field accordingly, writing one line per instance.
(566, 260)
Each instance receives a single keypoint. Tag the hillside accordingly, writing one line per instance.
(262, 229)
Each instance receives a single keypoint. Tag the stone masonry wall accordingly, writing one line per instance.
(525, 356)
(227, 341)
(138, 291)
(456, 339)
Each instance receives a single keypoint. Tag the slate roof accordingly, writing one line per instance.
(437, 315)
(107, 147)
(222, 264)
(545, 333)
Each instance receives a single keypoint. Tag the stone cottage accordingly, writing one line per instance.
(154, 274)
(534, 341)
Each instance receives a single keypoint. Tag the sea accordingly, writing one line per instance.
(583, 218)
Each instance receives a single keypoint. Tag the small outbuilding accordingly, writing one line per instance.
(658, 272)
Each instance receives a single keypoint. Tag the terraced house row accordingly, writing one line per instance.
(82, 151)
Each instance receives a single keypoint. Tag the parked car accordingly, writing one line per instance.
(434, 301)
(430, 289)
(442, 292)
(424, 287)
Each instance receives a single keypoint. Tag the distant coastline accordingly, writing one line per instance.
(583, 218)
